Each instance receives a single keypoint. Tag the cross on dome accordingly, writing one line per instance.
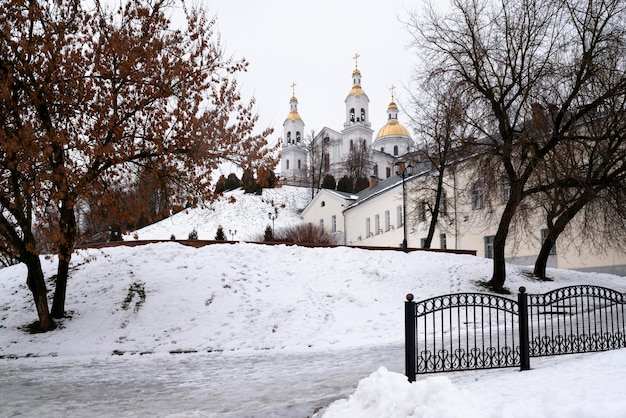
(293, 89)
(356, 61)
(392, 89)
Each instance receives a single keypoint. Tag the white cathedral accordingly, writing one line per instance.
(391, 143)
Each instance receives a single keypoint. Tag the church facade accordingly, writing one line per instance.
(391, 143)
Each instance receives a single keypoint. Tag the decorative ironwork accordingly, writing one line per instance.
(575, 319)
(467, 331)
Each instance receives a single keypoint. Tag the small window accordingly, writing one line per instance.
(477, 196)
(443, 241)
(333, 224)
(387, 221)
(298, 137)
(299, 164)
(505, 190)
(323, 203)
(362, 115)
(395, 150)
(421, 210)
(289, 137)
(352, 115)
(388, 172)
(382, 149)
(287, 162)
(399, 216)
(489, 246)
(376, 170)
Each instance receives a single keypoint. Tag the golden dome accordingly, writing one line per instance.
(293, 115)
(393, 127)
(356, 90)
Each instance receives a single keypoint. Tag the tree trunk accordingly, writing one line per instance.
(499, 242)
(68, 235)
(553, 233)
(37, 286)
(435, 214)
(541, 262)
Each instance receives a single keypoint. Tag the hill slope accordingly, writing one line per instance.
(169, 297)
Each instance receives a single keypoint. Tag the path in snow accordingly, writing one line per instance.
(267, 384)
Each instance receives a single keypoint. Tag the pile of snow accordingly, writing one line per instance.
(573, 386)
(245, 213)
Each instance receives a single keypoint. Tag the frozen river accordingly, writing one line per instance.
(260, 384)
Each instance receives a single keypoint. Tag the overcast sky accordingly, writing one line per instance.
(313, 44)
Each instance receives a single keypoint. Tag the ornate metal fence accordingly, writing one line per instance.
(575, 319)
(467, 331)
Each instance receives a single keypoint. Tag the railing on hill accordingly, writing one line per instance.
(468, 331)
(201, 243)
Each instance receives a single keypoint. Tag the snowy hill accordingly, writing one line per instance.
(168, 297)
(234, 211)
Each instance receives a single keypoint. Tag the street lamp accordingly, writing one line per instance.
(402, 169)
(272, 217)
(232, 234)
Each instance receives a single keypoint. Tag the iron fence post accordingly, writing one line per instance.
(409, 337)
(522, 300)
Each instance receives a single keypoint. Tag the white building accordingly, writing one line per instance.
(374, 217)
(392, 141)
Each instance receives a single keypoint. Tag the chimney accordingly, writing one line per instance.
(373, 181)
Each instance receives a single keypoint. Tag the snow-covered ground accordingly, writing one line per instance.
(250, 330)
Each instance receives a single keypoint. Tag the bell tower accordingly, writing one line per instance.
(293, 153)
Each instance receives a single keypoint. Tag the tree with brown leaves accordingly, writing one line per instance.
(93, 96)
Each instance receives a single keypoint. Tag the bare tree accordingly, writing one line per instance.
(358, 164)
(589, 178)
(439, 121)
(510, 55)
(317, 148)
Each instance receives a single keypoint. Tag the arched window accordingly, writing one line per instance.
(351, 144)
(382, 149)
(299, 164)
(362, 115)
(352, 115)
(323, 203)
(287, 164)
(388, 172)
(297, 137)
(289, 137)
(376, 170)
(395, 150)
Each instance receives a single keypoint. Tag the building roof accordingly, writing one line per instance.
(386, 185)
